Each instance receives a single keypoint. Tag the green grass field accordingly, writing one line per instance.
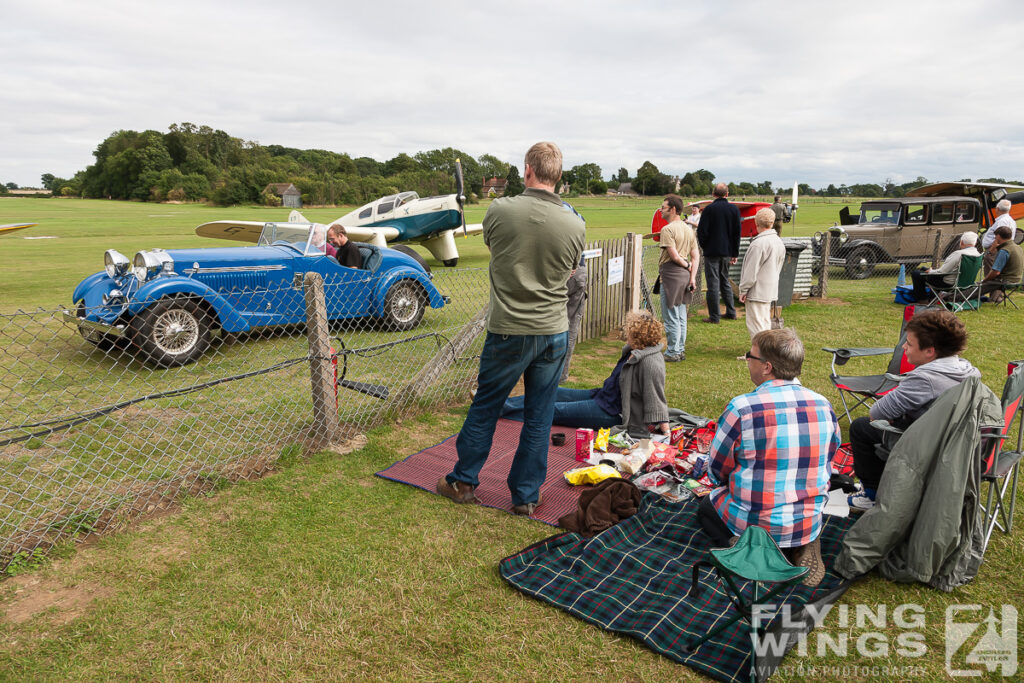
(323, 571)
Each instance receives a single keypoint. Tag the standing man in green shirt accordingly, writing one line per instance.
(535, 242)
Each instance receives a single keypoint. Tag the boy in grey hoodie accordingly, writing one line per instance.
(934, 338)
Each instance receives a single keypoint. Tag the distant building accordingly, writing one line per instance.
(290, 196)
(493, 187)
(626, 189)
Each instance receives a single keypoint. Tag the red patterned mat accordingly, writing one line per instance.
(423, 469)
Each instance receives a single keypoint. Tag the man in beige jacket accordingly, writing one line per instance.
(759, 276)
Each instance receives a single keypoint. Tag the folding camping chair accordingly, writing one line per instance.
(864, 388)
(999, 468)
(1008, 291)
(756, 558)
(962, 294)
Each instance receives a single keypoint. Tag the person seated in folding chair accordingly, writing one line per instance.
(934, 340)
(771, 455)
(1007, 268)
(633, 395)
(946, 274)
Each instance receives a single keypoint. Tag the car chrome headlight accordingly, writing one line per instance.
(844, 237)
(115, 263)
(818, 237)
(146, 265)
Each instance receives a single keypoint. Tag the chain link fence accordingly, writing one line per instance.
(103, 424)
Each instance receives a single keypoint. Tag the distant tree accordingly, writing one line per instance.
(514, 185)
(401, 163)
(623, 176)
(686, 190)
(650, 181)
(444, 160)
(580, 176)
(12, 186)
(366, 166)
(598, 186)
(492, 167)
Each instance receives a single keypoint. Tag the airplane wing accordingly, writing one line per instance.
(471, 229)
(374, 234)
(240, 231)
(12, 227)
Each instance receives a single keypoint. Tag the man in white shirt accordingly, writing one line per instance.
(947, 273)
(989, 238)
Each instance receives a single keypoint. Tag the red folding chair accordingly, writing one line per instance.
(999, 467)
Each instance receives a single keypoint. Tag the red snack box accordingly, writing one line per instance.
(584, 444)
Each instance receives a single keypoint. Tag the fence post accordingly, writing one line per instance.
(826, 247)
(935, 250)
(635, 255)
(321, 369)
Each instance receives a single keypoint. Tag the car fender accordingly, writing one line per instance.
(384, 284)
(852, 244)
(87, 284)
(154, 290)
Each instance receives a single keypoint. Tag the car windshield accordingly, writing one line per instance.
(880, 213)
(309, 240)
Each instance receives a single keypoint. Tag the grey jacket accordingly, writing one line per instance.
(642, 387)
(924, 526)
(759, 275)
(921, 386)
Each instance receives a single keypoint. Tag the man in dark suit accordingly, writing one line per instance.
(718, 235)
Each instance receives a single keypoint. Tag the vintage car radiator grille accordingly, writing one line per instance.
(234, 282)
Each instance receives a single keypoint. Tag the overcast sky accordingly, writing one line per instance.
(814, 92)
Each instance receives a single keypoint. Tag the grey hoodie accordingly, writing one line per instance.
(921, 386)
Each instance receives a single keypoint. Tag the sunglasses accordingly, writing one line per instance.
(750, 356)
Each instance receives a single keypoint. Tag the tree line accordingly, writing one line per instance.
(198, 163)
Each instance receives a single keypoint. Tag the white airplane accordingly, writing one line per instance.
(432, 222)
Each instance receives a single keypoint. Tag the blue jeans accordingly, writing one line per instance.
(573, 408)
(674, 319)
(538, 360)
(716, 270)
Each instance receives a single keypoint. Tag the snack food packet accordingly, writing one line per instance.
(601, 440)
(594, 474)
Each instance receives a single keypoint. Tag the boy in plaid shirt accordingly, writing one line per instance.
(771, 455)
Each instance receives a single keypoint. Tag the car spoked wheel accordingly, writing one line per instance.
(404, 306)
(172, 332)
(860, 263)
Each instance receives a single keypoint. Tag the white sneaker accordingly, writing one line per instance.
(860, 502)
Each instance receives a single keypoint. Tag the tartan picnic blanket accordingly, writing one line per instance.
(634, 577)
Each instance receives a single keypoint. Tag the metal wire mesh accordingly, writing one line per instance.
(98, 429)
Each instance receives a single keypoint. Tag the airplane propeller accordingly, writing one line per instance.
(460, 196)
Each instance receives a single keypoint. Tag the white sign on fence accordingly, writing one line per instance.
(591, 253)
(615, 267)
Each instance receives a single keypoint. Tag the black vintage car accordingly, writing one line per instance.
(914, 229)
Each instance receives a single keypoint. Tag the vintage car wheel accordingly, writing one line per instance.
(173, 331)
(415, 255)
(860, 263)
(103, 342)
(404, 306)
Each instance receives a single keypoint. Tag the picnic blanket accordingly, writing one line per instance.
(633, 579)
(424, 468)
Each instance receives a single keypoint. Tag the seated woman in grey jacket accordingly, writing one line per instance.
(633, 395)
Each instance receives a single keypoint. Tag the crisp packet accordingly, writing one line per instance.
(655, 482)
(621, 440)
(661, 454)
(594, 474)
(601, 440)
(698, 489)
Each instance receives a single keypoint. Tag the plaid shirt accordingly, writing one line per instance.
(772, 449)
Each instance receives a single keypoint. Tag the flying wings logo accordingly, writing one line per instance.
(975, 641)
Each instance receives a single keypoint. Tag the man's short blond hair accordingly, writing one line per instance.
(765, 218)
(336, 229)
(546, 161)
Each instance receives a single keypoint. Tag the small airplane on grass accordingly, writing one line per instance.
(405, 217)
(13, 227)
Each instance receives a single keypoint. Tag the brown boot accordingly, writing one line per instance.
(810, 556)
(460, 492)
(527, 508)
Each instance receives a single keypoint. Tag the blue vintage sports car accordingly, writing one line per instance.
(166, 304)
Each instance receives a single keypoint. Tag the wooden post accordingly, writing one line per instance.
(321, 370)
(635, 258)
(826, 247)
(445, 356)
(938, 246)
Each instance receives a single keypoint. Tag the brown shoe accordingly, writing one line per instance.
(527, 508)
(810, 556)
(711, 320)
(460, 492)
